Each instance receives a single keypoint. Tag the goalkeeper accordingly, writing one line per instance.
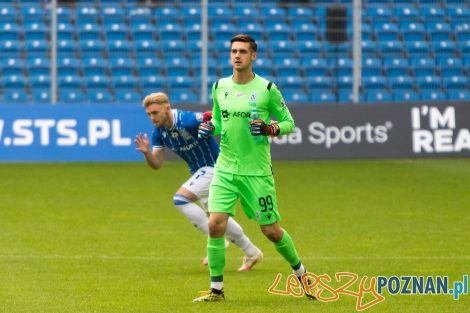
(178, 130)
(242, 103)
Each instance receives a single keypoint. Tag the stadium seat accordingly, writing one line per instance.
(432, 95)
(128, 95)
(100, 95)
(41, 95)
(16, 95)
(459, 95)
(405, 95)
(74, 95)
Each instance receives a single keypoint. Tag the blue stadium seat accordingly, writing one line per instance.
(10, 47)
(309, 47)
(99, 95)
(13, 81)
(116, 31)
(430, 82)
(153, 83)
(459, 95)
(295, 82)
(124, 48)
(405, 95)
(418, 48)
(457, 82)
(392, 49)
(69, 81)
(10, 30)
(319, 83)
(89, 31)
(369, 48)
(305, 32)
(41, 95)
(413, 31)
(124, 82)
(432, 11)
(149, 66)
(378, 96)
(71, 95)
(295, 96)
(183, 96)
(402, 82)
(323, 97)
(432, 95)
(406, 12)
(38, 65)
(38, 81)
(143, 31)
(445, 48)
(287, 66)
(128, 95)
(374, 82)
(96, 81)
(379, 13)
(65, 31)
(35, 31)
(16, 95)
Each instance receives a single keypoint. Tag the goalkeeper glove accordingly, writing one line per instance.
(205, 130)
(207, 116)
(260, 128)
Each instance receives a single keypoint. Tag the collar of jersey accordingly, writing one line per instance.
(175, 115)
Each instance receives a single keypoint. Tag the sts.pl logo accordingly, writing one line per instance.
(403, 285)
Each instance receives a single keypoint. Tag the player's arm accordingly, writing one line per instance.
(154, 157)
(216, 116)
(285, 123)
(278, 108)
(212, 123)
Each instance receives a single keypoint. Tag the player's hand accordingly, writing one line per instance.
(142, 142)
(205, 130)
(260, 128)
(207, 116)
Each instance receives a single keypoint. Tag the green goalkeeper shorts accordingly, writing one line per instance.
(257, 195)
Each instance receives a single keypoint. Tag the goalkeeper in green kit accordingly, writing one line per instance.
(242, 106)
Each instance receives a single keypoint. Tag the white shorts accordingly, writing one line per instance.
(199, 184)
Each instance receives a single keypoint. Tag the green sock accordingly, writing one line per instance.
(286, 248)
(216, 257)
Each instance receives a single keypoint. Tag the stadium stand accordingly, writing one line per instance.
(121, 50)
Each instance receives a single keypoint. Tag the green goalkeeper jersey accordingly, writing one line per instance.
(240, 152)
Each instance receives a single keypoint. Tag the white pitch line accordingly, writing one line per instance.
(159, 258)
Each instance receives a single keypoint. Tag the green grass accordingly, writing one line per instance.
(106, 238)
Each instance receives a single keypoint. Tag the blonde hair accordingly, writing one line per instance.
(155, 98)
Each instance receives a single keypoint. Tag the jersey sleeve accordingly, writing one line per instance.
(191, 119)
(278, 108)
(216, 117)
(157, 142)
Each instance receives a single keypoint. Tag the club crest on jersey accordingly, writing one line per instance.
(199, 117)
(253, 97)
(174, 134)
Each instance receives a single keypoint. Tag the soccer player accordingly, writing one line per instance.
(178, 130)
(242, 105)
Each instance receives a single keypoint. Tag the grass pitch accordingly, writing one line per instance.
(105, 237)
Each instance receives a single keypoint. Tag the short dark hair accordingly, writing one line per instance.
(245, 38)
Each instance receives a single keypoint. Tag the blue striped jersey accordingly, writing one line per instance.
(182, 139)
